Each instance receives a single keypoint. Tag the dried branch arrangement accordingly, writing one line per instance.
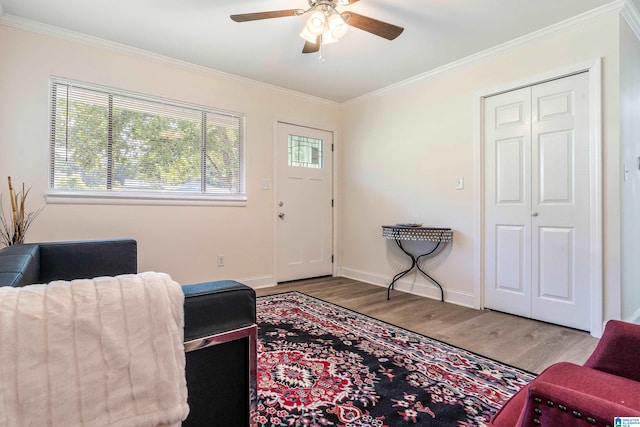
(14, 230)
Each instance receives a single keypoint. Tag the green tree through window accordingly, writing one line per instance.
(108, 141)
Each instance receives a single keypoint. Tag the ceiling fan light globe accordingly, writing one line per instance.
(328, 38)
(316, 22)
(309, 36)
(337, 26)
(338, 32)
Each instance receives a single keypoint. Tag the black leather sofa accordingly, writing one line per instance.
(220, 322)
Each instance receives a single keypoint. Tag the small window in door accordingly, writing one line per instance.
(305, 152)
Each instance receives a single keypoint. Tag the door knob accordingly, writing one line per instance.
(281, 215)
(534, 214)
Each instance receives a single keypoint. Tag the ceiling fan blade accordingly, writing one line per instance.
(244, 17)
(373, 26)
(311, 47)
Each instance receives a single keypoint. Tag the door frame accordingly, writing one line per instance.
(274, 217)
(596, 283)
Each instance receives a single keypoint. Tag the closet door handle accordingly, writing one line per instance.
(534, 214)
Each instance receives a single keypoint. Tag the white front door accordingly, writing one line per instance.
(304, 198)
(537, 202)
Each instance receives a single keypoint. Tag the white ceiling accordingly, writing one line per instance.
(437, 32)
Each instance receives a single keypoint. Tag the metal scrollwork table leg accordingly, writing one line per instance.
(415, 263)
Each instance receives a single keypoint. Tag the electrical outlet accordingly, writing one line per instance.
(265, 184)
(220, 260)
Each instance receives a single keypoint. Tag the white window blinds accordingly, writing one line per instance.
(104, 140)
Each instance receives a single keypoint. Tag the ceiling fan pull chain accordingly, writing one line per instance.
(321, 50)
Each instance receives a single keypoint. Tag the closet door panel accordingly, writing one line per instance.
(508, 202)
(560, 204)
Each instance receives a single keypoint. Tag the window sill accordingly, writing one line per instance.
(152, 199)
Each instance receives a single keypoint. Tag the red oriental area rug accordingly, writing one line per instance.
(320, 364)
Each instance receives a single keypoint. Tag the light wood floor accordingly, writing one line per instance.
(524, 343)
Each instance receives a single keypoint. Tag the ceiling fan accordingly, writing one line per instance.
(325, 24)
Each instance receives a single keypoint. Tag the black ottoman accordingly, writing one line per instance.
(220, 335)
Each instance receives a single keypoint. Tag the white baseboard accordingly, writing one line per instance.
(421, 289)
(634, 318)
(259, 282)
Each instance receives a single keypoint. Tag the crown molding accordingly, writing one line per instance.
(73, 36)
(617, 6)
(632, 17)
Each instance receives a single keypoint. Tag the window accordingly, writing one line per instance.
(111, 143)
(305, 152)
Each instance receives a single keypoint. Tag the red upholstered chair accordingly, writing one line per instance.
(567, 395)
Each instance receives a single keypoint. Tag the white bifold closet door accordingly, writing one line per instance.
(537, 202)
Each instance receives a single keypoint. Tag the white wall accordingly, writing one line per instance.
(399, 155)
(404, 148)
(630, 157)
(180, 240)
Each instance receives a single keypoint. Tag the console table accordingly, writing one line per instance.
(408, 232)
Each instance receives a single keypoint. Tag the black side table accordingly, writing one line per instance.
(405, 232)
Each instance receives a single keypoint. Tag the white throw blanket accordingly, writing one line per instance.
(101, 352)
